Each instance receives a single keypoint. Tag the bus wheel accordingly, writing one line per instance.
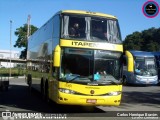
(124, 81)
(42, 87)
(6, 88)
(29, 80)
(46, 91)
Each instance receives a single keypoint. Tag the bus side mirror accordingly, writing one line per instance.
(57, 56)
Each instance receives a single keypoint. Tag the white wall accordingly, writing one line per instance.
(6, 54)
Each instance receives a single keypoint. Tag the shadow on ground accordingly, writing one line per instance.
(145, 97)
(18, 96)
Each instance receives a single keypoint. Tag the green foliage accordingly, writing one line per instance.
(147, 40)
(21, 41)
(14, 72)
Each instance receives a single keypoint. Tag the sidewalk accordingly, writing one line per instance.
(17, 77)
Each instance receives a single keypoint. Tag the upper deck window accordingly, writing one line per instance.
(90, 29)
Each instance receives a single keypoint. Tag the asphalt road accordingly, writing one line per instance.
(134, 99)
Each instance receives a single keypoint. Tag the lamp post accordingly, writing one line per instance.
(10, 72)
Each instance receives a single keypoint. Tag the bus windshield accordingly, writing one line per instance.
(90, 29)
(85, 66)
(145, 66)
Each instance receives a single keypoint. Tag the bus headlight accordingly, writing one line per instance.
(66, 91)
(156, 78)
(138, 78)
(114, 93)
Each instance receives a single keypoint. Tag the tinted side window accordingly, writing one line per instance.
(56, 26)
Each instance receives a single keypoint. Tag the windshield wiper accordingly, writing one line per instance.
(72, 77)
(103, 82)
(113, 82)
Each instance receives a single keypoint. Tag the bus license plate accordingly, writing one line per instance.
(91, 101)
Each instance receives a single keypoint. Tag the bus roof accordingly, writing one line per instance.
(156, 53)
(141, 53)
(87, 13)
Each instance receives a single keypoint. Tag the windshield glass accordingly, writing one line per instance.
(145, 66)
(86, 66)
(90, 28)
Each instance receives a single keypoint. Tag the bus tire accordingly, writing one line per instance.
(46, 91)
(6, 88)
(124, 81)
(29, 81)
(42, 87)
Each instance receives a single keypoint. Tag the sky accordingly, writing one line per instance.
(128, 12)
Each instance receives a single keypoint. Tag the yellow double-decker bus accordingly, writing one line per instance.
(75, 58)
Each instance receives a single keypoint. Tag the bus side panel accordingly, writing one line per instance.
(39, 55)
(53, 82)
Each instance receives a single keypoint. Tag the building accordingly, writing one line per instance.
(5, 54)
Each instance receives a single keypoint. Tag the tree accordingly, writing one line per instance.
(147, 40)
(21, 41)
(133, 41)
